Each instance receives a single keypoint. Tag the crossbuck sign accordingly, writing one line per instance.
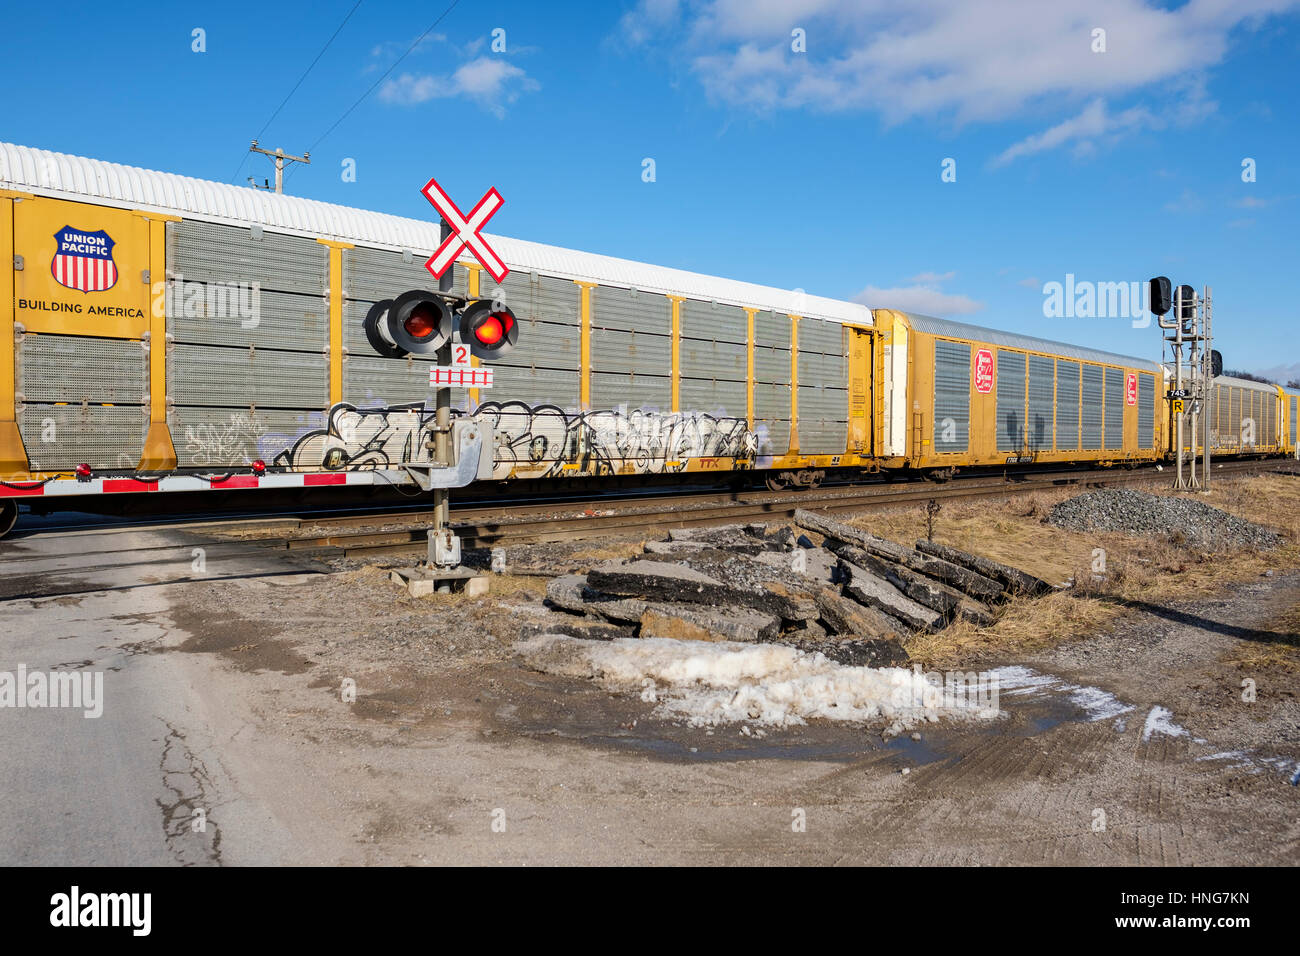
(464, 231)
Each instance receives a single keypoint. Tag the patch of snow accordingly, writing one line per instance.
(1021, 680)
(1160, 721)
(1095, 703)
(712, 683)
(1239, 758)
(1249, 760)
(1284, 764)
(1098, 704)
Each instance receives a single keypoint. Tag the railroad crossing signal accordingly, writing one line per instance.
(1161, 295)
(464, 231)
(421, 323)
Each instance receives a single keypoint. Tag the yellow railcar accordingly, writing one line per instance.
(960, 396)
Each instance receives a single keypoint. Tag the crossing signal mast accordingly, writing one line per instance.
(450, 329)
(1193, 391)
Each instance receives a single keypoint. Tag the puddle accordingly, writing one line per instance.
(830, 744)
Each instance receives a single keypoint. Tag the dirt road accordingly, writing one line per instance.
(454, 753)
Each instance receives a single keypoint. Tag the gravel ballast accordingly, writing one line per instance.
(1129, 511)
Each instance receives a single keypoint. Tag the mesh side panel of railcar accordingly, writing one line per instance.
(1146, 411)
(1115, 400)
(1041, 399)
(1090, 408)
(951, 396)
(1011, 400)
(1067, 405)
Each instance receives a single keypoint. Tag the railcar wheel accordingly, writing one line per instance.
(8, 516)
(811, 478)
(779, 482)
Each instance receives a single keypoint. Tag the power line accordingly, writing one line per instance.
(363, 96)
(312, 66)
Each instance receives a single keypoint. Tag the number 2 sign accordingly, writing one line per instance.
(459, 355)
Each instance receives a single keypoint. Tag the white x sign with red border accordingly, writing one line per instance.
(465, 231)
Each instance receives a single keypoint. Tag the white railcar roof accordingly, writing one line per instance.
(59, 175)
(1245, 383)
(962, 330)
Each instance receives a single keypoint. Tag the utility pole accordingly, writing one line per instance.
(280, 156)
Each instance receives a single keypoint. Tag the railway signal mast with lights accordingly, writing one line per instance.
(1189, 399)
(450, 328)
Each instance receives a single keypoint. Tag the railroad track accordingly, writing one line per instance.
(79, 562)
(484, 527)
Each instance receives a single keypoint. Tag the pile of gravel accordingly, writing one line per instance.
(1155, 516)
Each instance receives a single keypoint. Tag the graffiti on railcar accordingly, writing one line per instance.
(532, 440)
(545, 439)
(354, 439)
(219, 445)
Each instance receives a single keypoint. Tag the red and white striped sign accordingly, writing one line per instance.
(464, 231)
(107, 486)
(459, 376)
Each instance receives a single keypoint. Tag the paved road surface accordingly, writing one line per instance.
(121, 788)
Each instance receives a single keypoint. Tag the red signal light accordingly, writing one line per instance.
(421, 323)
(258, 467)
(494, 328)
(491, 328)
(83, 472)
(415, 323)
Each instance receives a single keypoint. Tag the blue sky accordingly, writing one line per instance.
(817, 168)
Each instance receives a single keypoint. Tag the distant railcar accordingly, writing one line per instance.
(959, 396)
(1290, 401)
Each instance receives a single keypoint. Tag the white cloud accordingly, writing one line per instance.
(491, 81)
(1261, 202)
(1187, 201)
(958, 60)
(925, 299)
(647, 18)
(1095, 121)
(1030, 283)
(929, 277)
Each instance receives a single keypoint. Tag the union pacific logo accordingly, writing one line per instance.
(84, 260)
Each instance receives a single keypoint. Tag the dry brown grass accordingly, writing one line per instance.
(1013, 531)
